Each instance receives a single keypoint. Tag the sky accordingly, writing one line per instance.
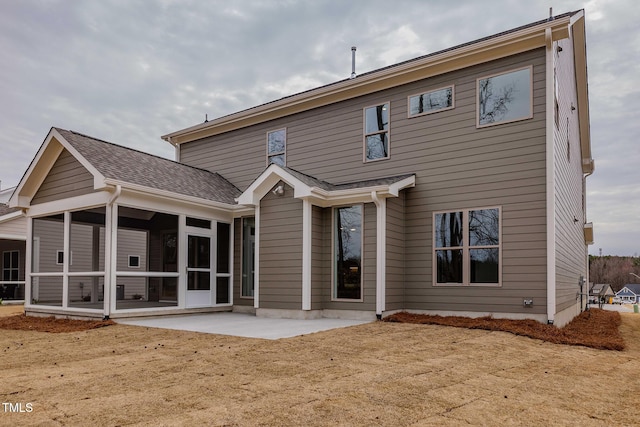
(129, 71)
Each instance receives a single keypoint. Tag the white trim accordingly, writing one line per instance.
(279, 153)
(453, 101)
(380, 132)
(10, 216)
(550, 182)
(130, 257)
(66, 261)
(87, 201)
(307, 215)
(318, 196)
(12, 237)
(169, 195)
(466, 248)
(334, 285)
(256, 270)
(381, 252)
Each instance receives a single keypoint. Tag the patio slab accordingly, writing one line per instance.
(242, 324)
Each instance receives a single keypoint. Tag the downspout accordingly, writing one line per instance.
(550, 182)
(586, 249)
(110, 250)
(381, 252)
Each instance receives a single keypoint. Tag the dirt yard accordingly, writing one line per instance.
(375, 374)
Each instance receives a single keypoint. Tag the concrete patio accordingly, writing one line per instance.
(242, 325)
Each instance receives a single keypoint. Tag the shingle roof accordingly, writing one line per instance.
(633, 287)
(135, 167)
(5, 209)
(314, 182)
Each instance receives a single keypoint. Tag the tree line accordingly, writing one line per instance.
(614, 270)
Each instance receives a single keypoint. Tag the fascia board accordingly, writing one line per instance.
(580, 57)
(36, 172)
(98, 178)
(11, 216)
(41, 165)
(168, 195)
(267, 179)
(465, 56)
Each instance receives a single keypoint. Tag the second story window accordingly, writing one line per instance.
(376, 132)
(276, 147)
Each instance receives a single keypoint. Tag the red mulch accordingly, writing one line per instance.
(22, 322)
(594, 328)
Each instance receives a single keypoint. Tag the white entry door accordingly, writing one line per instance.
(199, 270)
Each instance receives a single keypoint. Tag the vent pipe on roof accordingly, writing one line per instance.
(353, 62)
(550, 14)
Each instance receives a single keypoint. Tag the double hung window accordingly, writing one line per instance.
(467, 247)
(376, 132)
(276, 147)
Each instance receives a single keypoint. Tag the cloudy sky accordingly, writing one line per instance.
(128, 71)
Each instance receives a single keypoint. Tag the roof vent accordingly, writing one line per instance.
(353, 62)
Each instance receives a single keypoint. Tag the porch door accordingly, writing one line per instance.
(199, 272)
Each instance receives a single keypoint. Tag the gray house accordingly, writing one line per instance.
(13, 235)
(629, 294)
(453, 183)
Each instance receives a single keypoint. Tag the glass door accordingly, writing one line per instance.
(199, 273)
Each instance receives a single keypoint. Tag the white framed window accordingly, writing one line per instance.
(277, 147)
(347, 253)
(467, 247)
(431, 102)
(376, 132)
(134, 261)
(60, 258)
(505, 97)
(10, 266)
(248, 256)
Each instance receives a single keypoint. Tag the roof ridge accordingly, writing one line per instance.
(137, 151)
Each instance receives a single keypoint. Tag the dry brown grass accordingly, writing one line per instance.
(375, 374)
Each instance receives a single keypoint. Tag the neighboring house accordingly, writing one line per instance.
(629, 294)
(600, 293)
(13, 235)
(453, 183)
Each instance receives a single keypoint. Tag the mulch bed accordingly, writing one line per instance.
(22, 322)
(594, 328)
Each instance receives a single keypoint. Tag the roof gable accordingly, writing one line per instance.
(111, 165)
(323, 193)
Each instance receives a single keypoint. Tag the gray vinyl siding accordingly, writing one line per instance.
(67, 178)
(570, 246)
(457, 166)
(318, 259)
(133, 242)
(281, 251)
(14, 227)
(395, 253)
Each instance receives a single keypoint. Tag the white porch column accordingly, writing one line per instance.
(306, 254)
(381, 252)
(66, 250)
(256, 259)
